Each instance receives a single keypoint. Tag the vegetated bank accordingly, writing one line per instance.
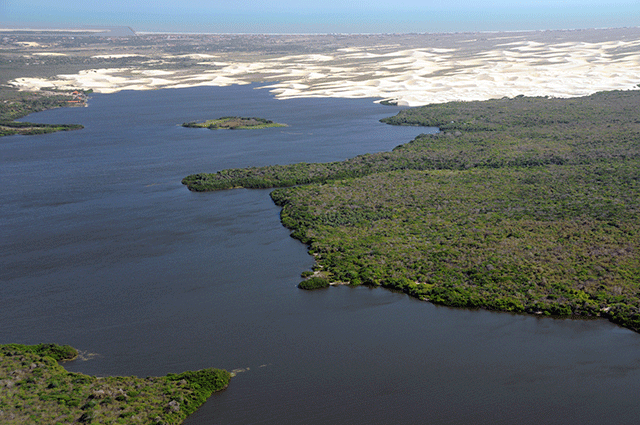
(234, 123)
(15, 104)
(37, 390)
(523, 205)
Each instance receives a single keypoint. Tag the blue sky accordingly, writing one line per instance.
(324, 16)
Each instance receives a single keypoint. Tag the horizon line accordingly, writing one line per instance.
(93, 28)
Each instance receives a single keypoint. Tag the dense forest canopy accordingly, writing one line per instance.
(525, 205)
(36, 389)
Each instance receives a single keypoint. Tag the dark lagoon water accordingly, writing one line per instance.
(102, 248)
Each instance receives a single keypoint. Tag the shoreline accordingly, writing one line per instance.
(503, 204)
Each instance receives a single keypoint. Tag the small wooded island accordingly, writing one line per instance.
(37, 390)
(523, 205)
(234, 123)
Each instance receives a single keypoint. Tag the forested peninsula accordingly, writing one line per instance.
(37, 390)
(521, 205)
(15, 105)
(234, 123)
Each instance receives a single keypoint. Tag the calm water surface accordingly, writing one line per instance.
(102, 248)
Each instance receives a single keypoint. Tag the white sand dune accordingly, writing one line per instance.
(152, 72)
(125, 55)
(49, 54)
(411, 76)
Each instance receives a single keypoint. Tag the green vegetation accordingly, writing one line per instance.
(523, 205)
(14, 105)
(57, 352)
(234, 123)
(8, 128)
(315, 282)
(35, 389)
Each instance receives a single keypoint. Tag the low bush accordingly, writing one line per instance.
(314, 283)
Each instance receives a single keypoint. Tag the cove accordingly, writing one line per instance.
(105, 250)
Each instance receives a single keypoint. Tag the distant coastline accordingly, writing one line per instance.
(347, 34)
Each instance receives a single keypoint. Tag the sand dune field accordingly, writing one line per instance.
(461, 67)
